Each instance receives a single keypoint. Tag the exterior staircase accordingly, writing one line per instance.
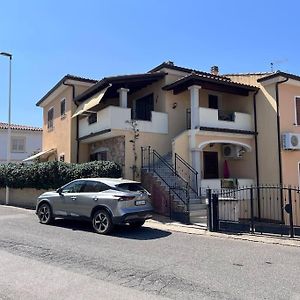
(184, 202)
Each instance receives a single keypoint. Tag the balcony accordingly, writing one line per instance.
(217, 119)
(115, 117)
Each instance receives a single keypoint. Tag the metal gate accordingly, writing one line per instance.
(255, 209)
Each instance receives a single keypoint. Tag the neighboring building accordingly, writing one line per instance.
(278, 121)
(25, 141)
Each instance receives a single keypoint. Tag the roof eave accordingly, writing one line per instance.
(64, 79)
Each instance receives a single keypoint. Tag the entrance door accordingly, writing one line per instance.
(211, 166)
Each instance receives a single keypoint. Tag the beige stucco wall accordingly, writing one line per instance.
(239, 168)
(267, 135)
(290, 159)
(63, 135)
(60, 136)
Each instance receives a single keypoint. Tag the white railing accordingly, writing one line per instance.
(211, 118)
(115, 117)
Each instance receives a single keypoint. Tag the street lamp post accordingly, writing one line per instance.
(8, 156)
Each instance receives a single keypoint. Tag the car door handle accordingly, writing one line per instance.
(95, 198)
(74, 198)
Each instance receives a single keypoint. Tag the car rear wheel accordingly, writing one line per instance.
(45, 214)
(137, 224)
(102, 222)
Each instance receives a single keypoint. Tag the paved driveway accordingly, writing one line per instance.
(69, 261)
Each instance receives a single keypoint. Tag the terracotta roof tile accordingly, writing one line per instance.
(19, 127)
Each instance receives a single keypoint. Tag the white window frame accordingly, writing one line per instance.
(18, 138)
(62, 116)
(295, 109)
(50, 128)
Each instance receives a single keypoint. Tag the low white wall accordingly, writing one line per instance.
(209, 117)
(21, 197)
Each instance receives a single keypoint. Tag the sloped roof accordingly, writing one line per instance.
(279, 73)
(202, 79)
(19, 127)
(66, 77)
(132, 82)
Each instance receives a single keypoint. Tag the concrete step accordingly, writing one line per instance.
(198, 213)
(199, 220)
(198, 206)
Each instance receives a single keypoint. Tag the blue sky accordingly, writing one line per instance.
(97, 38)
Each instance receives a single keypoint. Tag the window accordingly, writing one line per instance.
(73, 187)
(98, 156)
(18, 144)
(63, 108)
(94, 187)
(213, 101)
(62, 157)
(297, 110)
(143, 108)
(50, 118)
(92, 118)
(132, 187)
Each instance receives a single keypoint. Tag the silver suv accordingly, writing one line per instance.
(104, 201)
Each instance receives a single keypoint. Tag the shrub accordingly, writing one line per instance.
(51, 175)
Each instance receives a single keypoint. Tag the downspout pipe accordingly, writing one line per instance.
(278, 128)
(255, 138)
(256, 153)
(77, 120)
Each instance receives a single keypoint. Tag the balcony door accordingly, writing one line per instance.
(210, 165)
(143, 108)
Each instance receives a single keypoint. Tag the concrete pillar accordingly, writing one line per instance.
(123, 97)
(194, 99)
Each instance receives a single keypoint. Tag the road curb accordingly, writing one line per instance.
(198, 230)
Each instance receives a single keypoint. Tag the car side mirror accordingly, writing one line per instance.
(59, 190)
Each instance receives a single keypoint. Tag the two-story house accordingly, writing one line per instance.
(25, 141)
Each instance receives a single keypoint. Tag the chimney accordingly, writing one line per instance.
(214, 70)
(169, 63)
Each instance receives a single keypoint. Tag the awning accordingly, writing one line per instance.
(40, 155)
(89, 103)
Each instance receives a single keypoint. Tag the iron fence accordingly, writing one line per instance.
(264, 209)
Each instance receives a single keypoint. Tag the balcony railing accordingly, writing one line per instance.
(115, 117)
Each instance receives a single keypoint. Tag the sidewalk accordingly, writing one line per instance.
(164, 223)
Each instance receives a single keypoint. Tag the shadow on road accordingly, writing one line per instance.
(126, 232)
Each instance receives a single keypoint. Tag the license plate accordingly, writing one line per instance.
(140, 202)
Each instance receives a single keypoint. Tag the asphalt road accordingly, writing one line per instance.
(68, 261)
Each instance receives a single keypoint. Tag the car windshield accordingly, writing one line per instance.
(130, 186)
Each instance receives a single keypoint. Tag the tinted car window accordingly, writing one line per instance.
(132, 187)
(94, 187)
(74, 187)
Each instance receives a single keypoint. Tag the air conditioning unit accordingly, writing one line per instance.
(291, 141)
(233, 151)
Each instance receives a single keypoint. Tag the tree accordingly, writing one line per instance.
(136, 133)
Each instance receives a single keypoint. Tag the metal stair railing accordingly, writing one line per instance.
(186, 171)
(177, 186)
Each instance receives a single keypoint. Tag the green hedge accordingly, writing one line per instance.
(51, 175)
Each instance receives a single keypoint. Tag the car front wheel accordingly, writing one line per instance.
(45, 214)
(102, 222)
